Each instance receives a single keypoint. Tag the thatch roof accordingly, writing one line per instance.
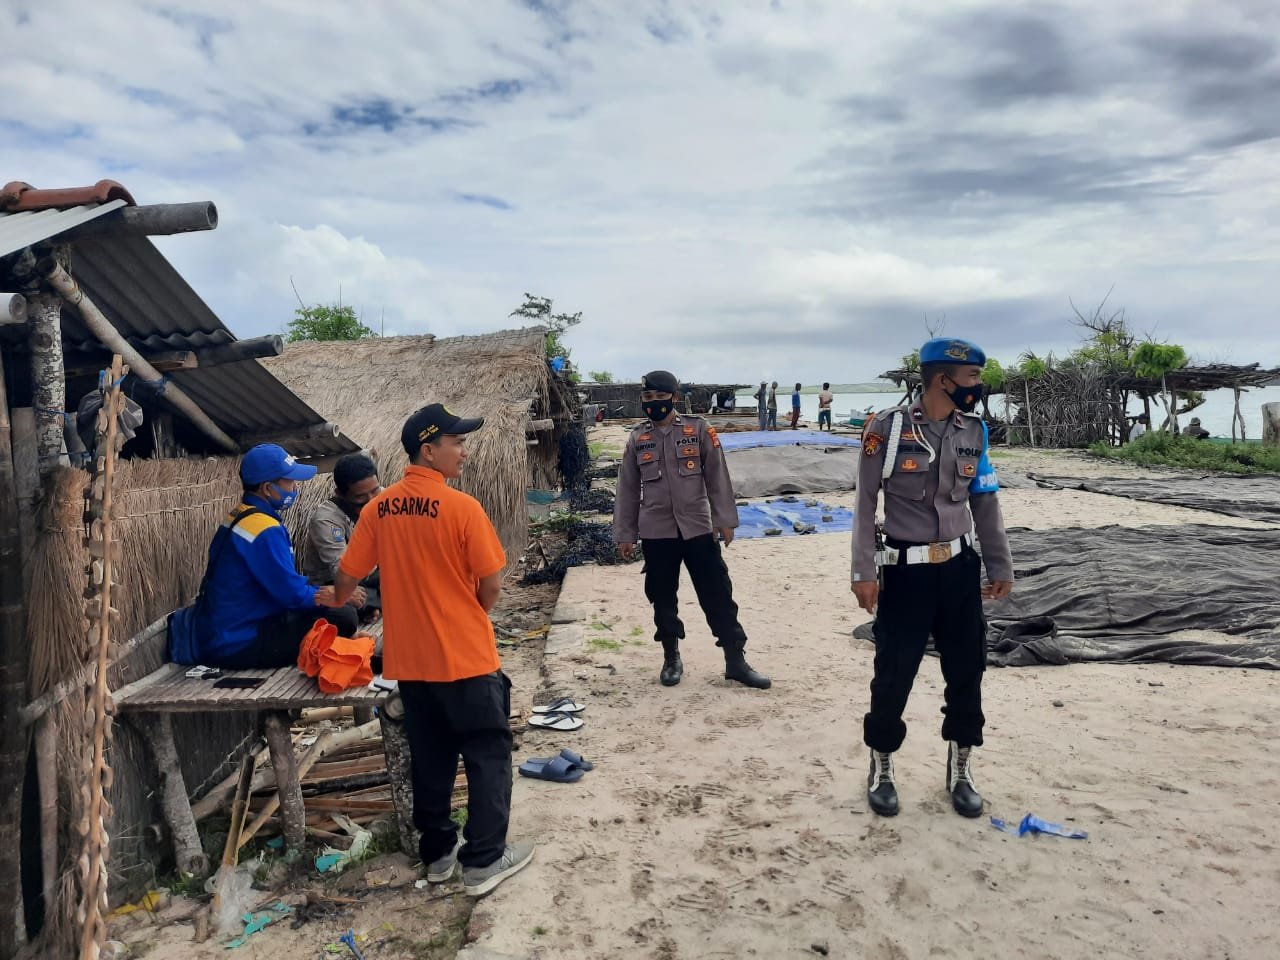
(371, 387)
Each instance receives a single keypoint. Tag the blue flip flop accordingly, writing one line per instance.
(577, 759)
(555, 769)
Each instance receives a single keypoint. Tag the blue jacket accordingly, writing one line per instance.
(251, 577)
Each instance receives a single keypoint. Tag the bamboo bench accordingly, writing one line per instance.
(156, 697)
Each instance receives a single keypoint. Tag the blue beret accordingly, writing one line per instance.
(946, 350)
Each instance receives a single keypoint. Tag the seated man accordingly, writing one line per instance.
(254, 607)
(1194, 430)
(355, 478)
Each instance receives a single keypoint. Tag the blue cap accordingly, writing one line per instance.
(947, 350)
(270, 461)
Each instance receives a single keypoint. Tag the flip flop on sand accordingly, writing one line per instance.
(563, 705)
(577, 759)
(555, 769)
(555, 721)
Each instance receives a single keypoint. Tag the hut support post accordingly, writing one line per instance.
(395, 748)
(1031, 426)
(188, 854)
(46, 736)
(1237, 415)
(13, 688)
(48, 383)
(289, 789)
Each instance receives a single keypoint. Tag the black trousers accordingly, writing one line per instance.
(662, 559)
(942, 599)
(443, 720)
(280, 637)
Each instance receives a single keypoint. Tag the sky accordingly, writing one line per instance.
(734, 191)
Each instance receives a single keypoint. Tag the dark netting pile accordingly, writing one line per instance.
(573, 458)
(1252, 498)
(584, 543)
(587, 500)
(607, 472)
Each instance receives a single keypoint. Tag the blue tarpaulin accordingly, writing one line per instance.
(785, 438)
(755, 518)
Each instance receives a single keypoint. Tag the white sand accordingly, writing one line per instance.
(724, 822)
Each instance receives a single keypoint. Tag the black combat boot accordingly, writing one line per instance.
(672, 668)
(964, 795)
(882, 792)
(737, 668)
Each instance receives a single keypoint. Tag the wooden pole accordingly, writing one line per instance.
(46, 737)
(48, 383)
(13, 689)
(1271, 424)
(107, 335)
(253, 348)
(188, 853)
(288, 789)
(26, 467)
(152, 220)
(93, 862)
(395, 747)
(1031, 427)
(14, 309)
(1237, 415)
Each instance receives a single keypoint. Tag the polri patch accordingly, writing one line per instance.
(871, 444)
(647, 456)
(690, 431)
(715, 440)
(338, 535)
(909, 464)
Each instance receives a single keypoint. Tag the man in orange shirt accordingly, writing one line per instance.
(441, 568)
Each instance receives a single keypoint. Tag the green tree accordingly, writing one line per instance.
(539, 310)
(326, 322)
(993, 375)
(600, 376)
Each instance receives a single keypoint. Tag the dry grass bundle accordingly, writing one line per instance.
(369, 388)
(166, 513)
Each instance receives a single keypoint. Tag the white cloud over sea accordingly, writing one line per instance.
(783, 190)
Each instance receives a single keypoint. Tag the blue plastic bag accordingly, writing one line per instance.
(1033, 824)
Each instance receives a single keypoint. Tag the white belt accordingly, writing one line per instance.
(925, 553)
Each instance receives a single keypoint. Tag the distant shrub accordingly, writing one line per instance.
(1160, 449)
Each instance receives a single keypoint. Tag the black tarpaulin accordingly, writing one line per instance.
(1253, 498)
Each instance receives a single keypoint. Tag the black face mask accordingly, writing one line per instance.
(657, 410)
(966, 398)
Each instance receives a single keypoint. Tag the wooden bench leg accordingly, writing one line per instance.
(395, 747)
(173, 793)
(292, 811)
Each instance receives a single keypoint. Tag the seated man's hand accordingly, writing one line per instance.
(325, 597)
(357, 598)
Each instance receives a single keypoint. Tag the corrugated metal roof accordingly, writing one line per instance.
(18, 230)
(150, 303)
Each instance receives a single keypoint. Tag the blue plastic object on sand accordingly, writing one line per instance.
(349, 938)
(1033, 824)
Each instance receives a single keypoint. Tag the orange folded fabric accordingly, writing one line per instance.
(314, 643)
(346, 663)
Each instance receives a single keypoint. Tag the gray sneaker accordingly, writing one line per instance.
(477, 881)
(441, 869)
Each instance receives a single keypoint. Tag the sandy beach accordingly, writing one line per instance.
(725, 822)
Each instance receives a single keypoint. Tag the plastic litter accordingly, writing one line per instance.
(256, 922)
(333, 860)
(236, 894)
(1033, 824)
(349, 938)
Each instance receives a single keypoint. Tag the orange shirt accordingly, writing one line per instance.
(432, 545)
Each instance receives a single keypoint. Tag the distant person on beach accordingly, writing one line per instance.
(762, 405)
(825, 399)
(1194, 430)
(773, 406)
(674, 495)
(795, 408)
(931, 459)
(1139, 427)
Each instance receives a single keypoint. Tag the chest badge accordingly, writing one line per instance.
(646, 436)
(910, 464)
(689, 465)
(970, 470)
(647, 456)
(689, 451)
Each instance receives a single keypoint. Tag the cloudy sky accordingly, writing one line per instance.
(785, 189)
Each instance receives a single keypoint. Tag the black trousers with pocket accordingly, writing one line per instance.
(701, 555)
(917, 600)
(467, 718)
(280, 637)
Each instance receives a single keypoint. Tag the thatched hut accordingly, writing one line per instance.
(86, 283)
(371, 386)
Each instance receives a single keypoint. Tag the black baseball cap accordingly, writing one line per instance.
(433, 421)
(660, 381)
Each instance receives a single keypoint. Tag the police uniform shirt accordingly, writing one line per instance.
(673, 482)
(328, 533)
(928, 502)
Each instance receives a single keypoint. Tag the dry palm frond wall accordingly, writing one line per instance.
(166, 513)
(369, 388)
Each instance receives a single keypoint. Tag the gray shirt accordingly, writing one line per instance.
(328, 532)
(927, 502)
(673, 481)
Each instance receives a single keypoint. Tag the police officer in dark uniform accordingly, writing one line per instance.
(925, 579)
(673, 495)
